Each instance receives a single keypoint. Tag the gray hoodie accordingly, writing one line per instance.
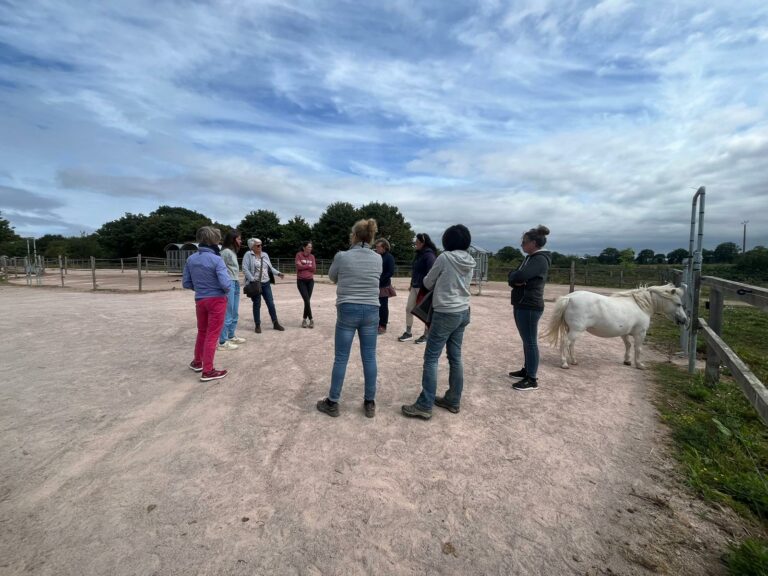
(450, 278)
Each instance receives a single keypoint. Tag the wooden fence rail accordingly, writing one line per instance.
(718, 352)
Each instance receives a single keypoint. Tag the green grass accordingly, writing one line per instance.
(750, 558)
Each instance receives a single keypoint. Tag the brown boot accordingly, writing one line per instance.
(277, 326)
(258, 328)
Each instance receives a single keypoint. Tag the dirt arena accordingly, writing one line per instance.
(116, 460)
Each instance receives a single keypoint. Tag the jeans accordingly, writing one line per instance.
(210, 317)
(446, 330)
(305, 289)
(383, 312)
(233, 311)
(363, 319)
(527, 322)
(266, 293)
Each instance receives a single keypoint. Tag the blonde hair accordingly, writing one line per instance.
(208, 235)
(363, 231)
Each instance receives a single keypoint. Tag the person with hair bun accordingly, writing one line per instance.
(385, 282)
(356, 274)
(305, 280)
(527, 284)
(206, 274)
(229, 249)
(449, 279)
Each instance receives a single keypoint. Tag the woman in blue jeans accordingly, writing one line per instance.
(527, 284)
(449, 278)
(256, 267)
(229, 249)
(356, 273)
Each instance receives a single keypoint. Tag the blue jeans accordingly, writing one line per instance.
(363, 319)
(527, 322)
(266, 293)
(447, 330)
(233, 311)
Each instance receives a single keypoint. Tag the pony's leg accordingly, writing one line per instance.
(638, 349)
(564, 340)
(627, 346)
(571, 348)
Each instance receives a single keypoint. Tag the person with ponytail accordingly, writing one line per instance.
(527, 284)
(356, 273)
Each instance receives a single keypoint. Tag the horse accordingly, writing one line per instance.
(622, 314)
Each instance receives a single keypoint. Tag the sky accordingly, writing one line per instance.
(598, 119)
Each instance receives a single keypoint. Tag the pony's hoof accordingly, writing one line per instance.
(564, 366)
(627, 363)
(641, 366)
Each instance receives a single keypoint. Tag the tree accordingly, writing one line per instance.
(509, 254)
(165, 225)
(753, 264)
(726, 252)
(261, 224)
(609, 256)
(118, 238)
(627, 257)
(645, 256)
(392, 226)
(292, 235)
(659, 259)
(562, 260)
(7, 233)
(331, 232)
(677, 256)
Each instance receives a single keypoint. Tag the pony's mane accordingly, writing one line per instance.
(643, 295)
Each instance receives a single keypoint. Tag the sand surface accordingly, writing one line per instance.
(115, 459)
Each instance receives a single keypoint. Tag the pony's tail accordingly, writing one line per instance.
(557, 326)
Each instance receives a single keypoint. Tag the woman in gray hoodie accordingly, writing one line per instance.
(449, 278)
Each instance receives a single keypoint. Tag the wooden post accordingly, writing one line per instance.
(138, 266)
(712, 370)
(573, 275)
(586, 276)
(621, 278)
(61, 270)
(93, 271)
(122, 266)
(66, 263)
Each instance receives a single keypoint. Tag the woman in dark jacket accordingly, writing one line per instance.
(527, 284)
(385, 282)
(426, 253)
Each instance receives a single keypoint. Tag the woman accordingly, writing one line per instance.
(206, 274)
(426, 252)
(305, 280)
(256, 267)
(450, 278)
(230, 248)
(386, 291)
(527, 284)
(356, 273)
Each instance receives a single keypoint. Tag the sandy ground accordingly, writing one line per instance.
(115, 459)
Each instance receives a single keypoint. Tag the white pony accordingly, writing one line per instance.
(621, 314)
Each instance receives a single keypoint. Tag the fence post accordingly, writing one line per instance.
(66, 264)
(573, 276)
(586, 276)
(93, 271)
(138, 266)
(712, 370)
(61, 270)
(122, 266)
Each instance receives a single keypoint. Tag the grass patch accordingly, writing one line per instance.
(723, 447)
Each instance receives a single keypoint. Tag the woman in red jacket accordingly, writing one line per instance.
(305, 280)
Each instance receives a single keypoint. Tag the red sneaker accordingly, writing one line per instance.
(213, 375)
(196, 366)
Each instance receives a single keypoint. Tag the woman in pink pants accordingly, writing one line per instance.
(206, 274)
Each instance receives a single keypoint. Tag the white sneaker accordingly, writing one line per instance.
(227, 346)
(237, 340)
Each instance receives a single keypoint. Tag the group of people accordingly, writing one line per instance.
(363, 278)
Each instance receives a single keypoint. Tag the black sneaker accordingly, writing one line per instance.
(413, 411)
(421, 339)
(519, 373)
(443, 403)
(405, 336)
(330, 408)
(370, 408)
(277, 326)
(526, 383)
(258, 328)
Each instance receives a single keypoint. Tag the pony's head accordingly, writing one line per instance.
(668, 300)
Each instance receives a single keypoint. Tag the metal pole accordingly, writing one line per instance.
(138, 265)
(744, 237)
(93, 271)
(61, 270)
(573, 276)
(695, 276)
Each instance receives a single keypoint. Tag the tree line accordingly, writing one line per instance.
(148, 235)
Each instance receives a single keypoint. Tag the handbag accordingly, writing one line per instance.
(423, 309)
(387, 292)
(253, 289)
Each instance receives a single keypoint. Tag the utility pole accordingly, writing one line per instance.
(744, 237)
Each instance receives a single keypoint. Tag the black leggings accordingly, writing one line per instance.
(305, 289)
(383, 312)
